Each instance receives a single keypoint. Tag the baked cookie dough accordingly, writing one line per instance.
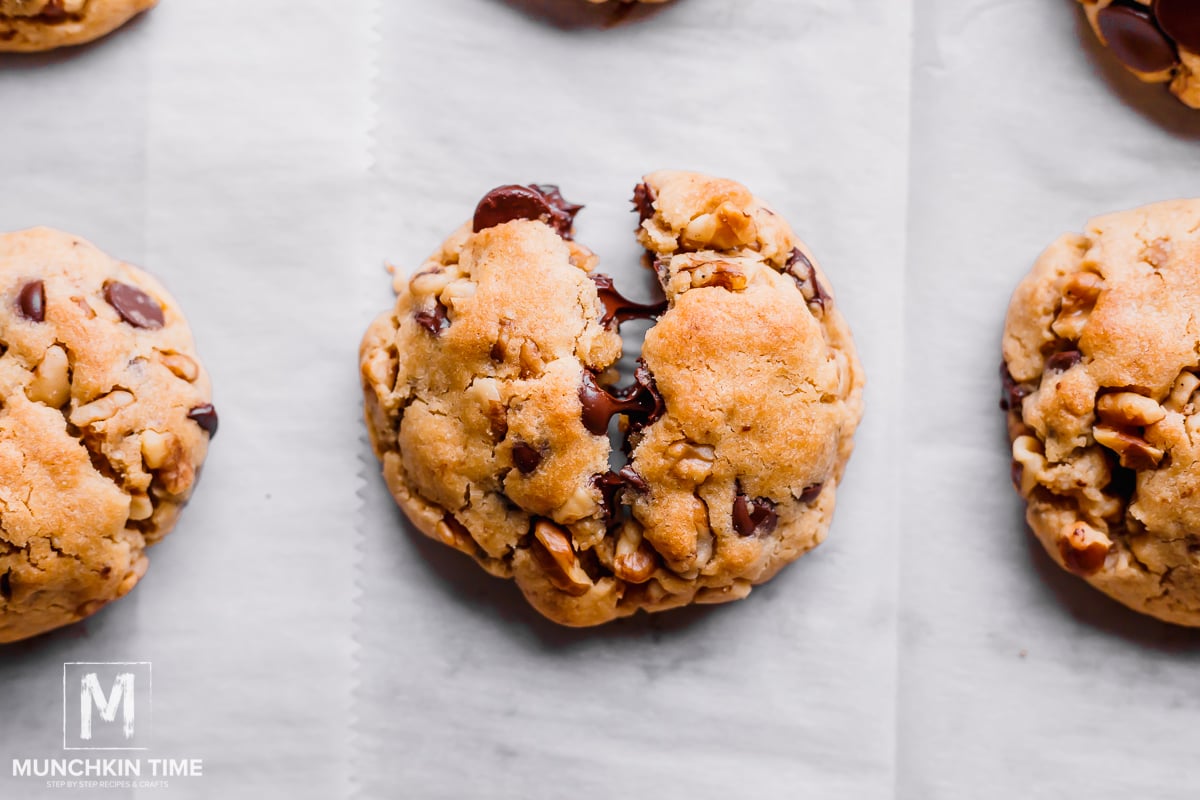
(1102, 354)
(490, 391)
(105, 418)
(34, 25)
(1157, 40)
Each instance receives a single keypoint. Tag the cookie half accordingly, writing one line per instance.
(490, 390)
(1157, 40)
(1102, 357)
(34, 25)
(105, 419)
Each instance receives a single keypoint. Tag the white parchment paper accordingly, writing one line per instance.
(223, 146)
(264, 158)
(1017, 680)
(464, 691)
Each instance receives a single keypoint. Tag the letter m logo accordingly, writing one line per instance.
(106, 705)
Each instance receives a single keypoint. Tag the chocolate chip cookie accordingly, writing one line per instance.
(33, 25)
(1157, 40)
(491, 390)
(105, 418)
(1101, 365)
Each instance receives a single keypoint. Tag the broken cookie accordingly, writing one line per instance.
(491, 389)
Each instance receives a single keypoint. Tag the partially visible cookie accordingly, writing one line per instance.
(105, 419)
(1102, 358)
(1157, 40)
(490, 389)
(34, 25)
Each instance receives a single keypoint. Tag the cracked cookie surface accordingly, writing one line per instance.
(105, 418)
(491, 385)
(1102, 352)
(1156, 40)
(36, 25)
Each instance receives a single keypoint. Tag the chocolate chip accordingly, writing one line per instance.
(617, 307)
(31, 302)
(609, 484)
(526, 457)
(434, 321)
(643, 201)
(1181, 21)
(133, 305)
(554, 196)
(1061, 362)
(633, 479)
(1012, 392)
(507, 203)
(206, 417)
(640, 401)
(805, 275)
(1135, 38)
(6, 585)
(1017, 472)
(54, 11)
(811, 493)
(753, 516)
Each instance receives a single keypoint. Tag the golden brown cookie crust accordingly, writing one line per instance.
(28, 26)
(104, 424)
(476, 385)
(1102, 352)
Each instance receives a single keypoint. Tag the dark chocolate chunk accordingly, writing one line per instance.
(640, 401)
(1061, 362)
(643, 201)
(619, 308)
(633, 479)
(1135, 38)
(1181, 21)
(609, 484)
(31, 302)
(506, 203)
(434, 321)
(206, 417)
(811, 493)
(554, 196)
(751, 516)
(1012, 393)
(133, 305)
(805, 275)
(526, 457)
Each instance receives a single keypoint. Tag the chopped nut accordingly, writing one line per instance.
(552, 550)
(101, 409)
(457, 291)
(1027, 452)
(693, 462)
(1079, 297)
(140, 507)
(719, 273)
(156, 448)
(581, 504)
(1129, 408)
(182, 366)
(1134, 452)
(430, 282)
(532, 364)
(51, 380)
(725, 228)
(1181, 393)
(449, 531)
(1083, 548)
(635, 560)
